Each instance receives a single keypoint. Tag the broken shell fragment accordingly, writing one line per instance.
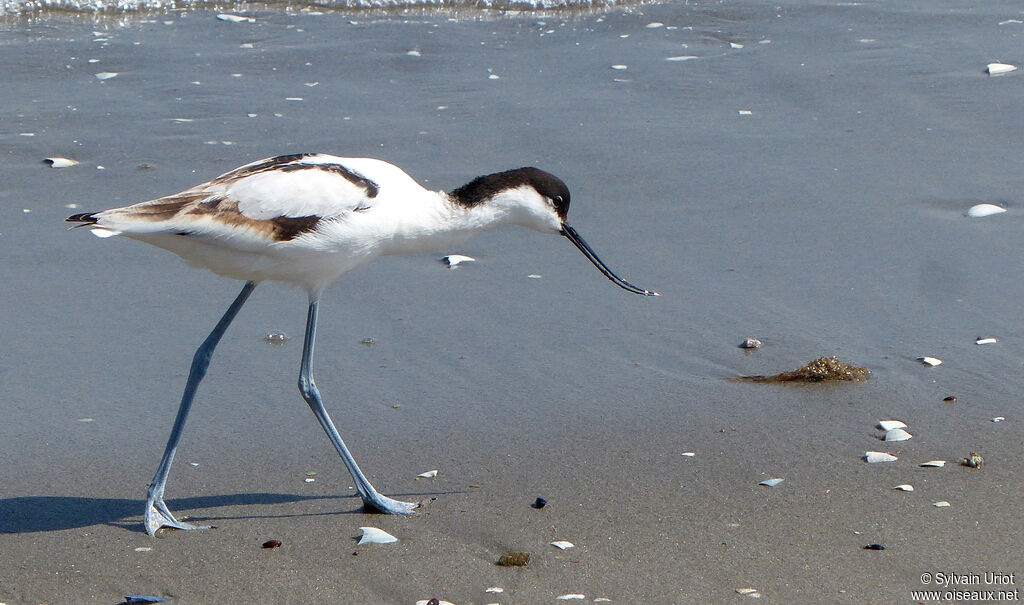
(749, 592)
(995, 69)
(106, 75)
(454, 260)
(873, 457)
(930, 361)
(905, 487)
(495, 589)
(235, 18)
(888, 425)
(980, 210)
(514, 559)
(934, 463)
(570, 597)
(897, 435)
(986, 341)
(376, 535)
(56, 162)
(428, 474)
(940, 504)
(562, 544)
(772, 482)
(999, 419)
(751, 343)
(974, 460)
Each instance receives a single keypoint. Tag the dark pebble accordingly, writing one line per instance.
(875, 546)
(950, 399)
(272, 544)
(539, 503)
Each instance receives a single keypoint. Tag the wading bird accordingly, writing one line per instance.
(306, 219)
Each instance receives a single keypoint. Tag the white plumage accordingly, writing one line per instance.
(306, 219)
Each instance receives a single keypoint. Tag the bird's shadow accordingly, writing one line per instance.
(28, 514)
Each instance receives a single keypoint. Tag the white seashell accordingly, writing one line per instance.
(749, 592)
(570, 597)
(143, 549)
(679, 58)
(495, 590)
(994, 69)
(620, 67)
(905, 487)
(873, 457)
(746, 112)
(457, 259)
(771, 482)
(654, 25)
(980, 210)
(986, 341)
(376, 536)
(735, 45)
(689, 454)
(413, 53)
(934, 463)
(309, 480)
(999, 419)
(534, 276)
(85, 419)
(888, 425)
(930, 361)
(562, 544)
(106, 75)
(897, 435)
(56, 162)
(235, 18)
(941, 504)
(428, 474)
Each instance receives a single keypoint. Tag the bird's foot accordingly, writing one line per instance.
(382, 504)
(158, 516)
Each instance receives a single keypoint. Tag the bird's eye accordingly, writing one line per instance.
(557, 200)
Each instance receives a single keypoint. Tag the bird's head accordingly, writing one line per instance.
(533, 198)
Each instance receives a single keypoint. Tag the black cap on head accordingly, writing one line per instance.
(484, 187)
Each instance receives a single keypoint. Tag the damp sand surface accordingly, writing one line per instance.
(802, 180)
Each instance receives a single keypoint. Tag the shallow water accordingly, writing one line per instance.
(828, 220)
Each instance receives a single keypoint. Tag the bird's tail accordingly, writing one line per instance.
(89, 219)
(86, 218)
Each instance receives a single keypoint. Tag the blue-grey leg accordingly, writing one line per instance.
(157, 515)
(371, 498)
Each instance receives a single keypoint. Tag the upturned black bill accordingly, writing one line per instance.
(587, 251)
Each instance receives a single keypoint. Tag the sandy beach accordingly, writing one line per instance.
(797, 172)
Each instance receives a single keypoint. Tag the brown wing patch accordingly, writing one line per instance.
(194, 204)
(281, 228)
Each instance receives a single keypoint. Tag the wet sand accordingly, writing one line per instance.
(827, 221)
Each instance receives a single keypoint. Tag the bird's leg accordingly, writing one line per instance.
(371, 498)
(157, 515)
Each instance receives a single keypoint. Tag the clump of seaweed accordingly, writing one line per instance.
(514, 559)
(820, 370)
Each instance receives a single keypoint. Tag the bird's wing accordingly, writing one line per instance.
(277, 198)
